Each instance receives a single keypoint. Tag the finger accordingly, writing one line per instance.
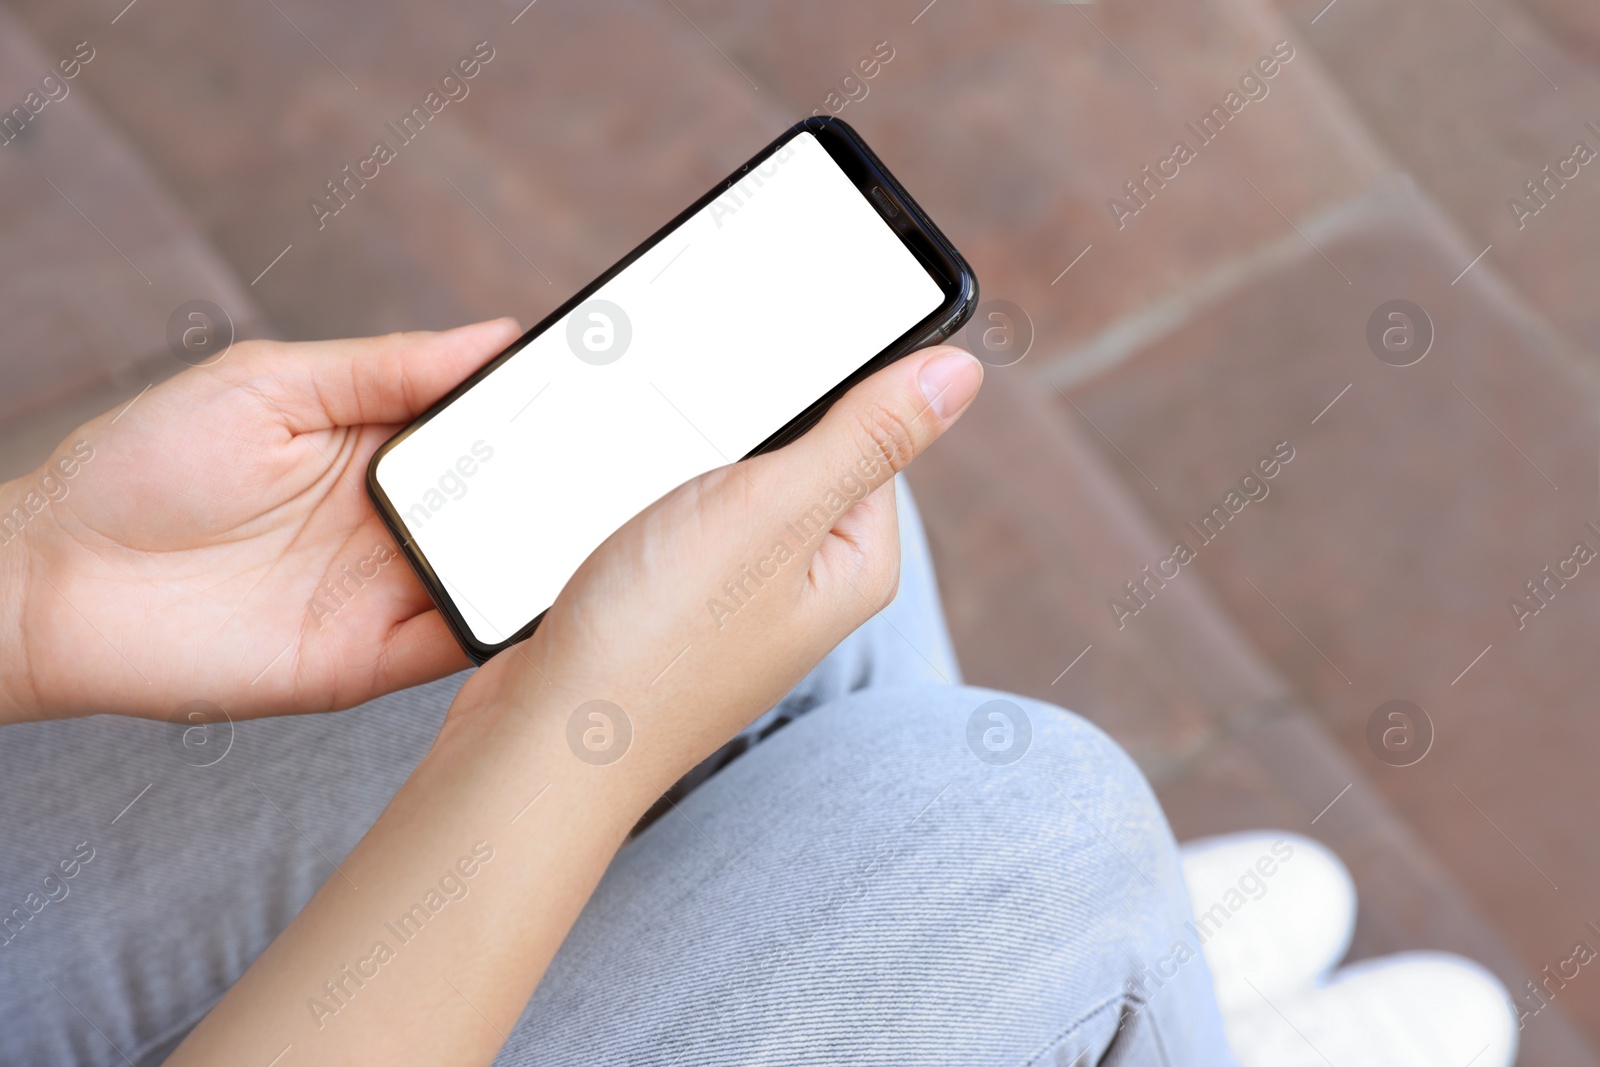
(389, 379)
(418, 651)
(872, 433)
(858, 567)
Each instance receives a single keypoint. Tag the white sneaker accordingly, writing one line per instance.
(1273, 909)
(1272, 942)
(1416, 1009)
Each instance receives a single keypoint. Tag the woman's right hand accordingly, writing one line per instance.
(706, 608)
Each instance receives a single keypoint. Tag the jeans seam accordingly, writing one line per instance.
(1073, 1027)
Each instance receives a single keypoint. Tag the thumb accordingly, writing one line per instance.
(875, 430)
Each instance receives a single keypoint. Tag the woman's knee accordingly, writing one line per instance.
(881, 850)
(1013, 841)
(1029, 756)
(989, 790)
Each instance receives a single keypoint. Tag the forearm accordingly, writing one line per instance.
(377, 970)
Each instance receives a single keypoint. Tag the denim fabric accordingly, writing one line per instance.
(857, 887)
(862, 888)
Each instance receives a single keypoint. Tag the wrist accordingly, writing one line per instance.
(546, 738)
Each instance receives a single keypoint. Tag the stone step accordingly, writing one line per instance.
(1016, 124)
(1380, 563)
(1476, 100)
(505, 203)
(1574, 26)
(98, 254)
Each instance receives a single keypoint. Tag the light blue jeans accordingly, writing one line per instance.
(907, 872)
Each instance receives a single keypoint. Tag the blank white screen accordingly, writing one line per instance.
(508, 489)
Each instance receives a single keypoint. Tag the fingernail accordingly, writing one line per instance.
(949, 381)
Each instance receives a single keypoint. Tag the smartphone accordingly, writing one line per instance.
(729, 332)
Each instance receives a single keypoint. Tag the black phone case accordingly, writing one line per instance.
(894, 205)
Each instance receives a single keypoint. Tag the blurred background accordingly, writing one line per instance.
(1380, 260)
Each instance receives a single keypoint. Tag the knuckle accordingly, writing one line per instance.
(887, 435)
(718, 499)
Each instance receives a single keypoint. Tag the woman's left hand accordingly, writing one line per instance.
(213, 542)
